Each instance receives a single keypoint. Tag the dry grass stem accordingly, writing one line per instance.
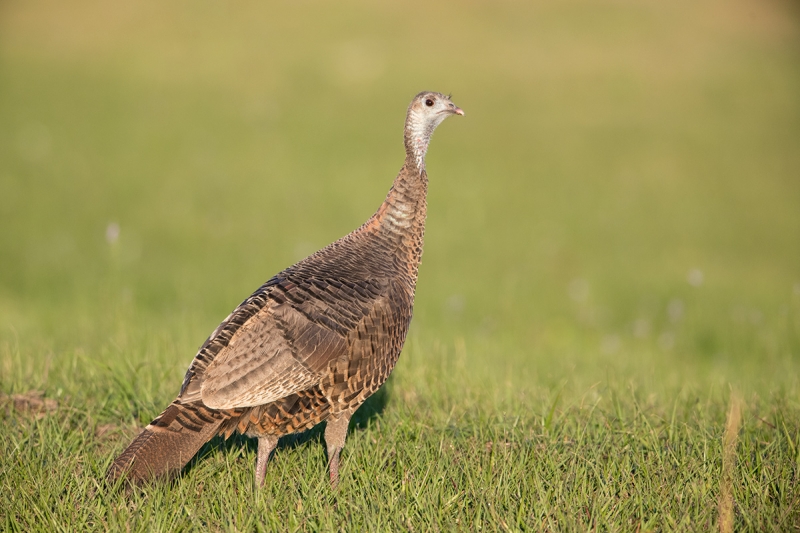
(729, 441)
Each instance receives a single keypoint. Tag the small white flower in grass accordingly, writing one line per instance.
(695, 277)
(112, 232)
(455, 304)
(675, 310)
(610, 344)
(641, 328)
(666, 341)
(578, 290)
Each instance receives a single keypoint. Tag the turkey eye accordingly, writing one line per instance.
(429, 102)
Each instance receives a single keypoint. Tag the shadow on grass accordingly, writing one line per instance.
(241, 444)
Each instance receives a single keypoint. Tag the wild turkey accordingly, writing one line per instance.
(313, 342)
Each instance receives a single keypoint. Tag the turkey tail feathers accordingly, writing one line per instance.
(166, 444)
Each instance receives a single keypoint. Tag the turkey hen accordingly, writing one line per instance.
(312, 343)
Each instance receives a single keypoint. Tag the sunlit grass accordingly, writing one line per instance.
(611, 256)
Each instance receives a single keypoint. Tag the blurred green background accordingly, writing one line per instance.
(622, 197)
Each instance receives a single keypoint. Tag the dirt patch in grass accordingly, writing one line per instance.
(32, 404)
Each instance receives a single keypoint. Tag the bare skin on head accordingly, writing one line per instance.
(312, 343)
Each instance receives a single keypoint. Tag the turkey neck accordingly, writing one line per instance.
(401, 217)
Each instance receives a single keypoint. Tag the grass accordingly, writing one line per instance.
(611, 274)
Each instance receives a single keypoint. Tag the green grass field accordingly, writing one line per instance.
(607, 323)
